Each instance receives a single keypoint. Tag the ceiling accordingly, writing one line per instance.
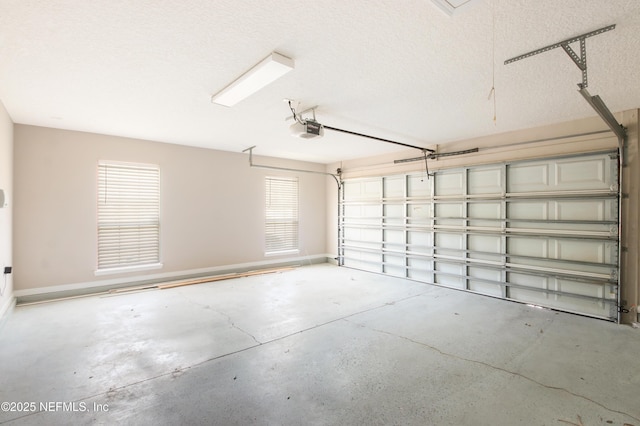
(405, 70)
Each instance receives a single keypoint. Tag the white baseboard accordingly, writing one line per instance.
(43, 293)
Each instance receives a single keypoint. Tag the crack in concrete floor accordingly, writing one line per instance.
(494, 367)
(233, 324)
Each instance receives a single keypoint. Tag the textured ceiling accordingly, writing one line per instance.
(395, 69)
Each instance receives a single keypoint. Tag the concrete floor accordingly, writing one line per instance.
(319, 345)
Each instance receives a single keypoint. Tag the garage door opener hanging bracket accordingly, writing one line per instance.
(581, 62)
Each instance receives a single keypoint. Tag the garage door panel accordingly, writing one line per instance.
(593, 251)
(449, 281)
(449, 184)
(394, 214)
(552, 267)
(363, 234)
(528, 178)
(489, 274)
(569, 303)
(419, 241)
(362, 214)
(567, 210)
(359, 190)
(420, 211)
(485, 181)
(485, 226)
(450, 275)
(448, 212)
(598, 290)
(523, 246)
(449, 241)
(542, 232)
(418, 186)
(481, 246)
(524, 280)
(420, 269)
(486, 210)
(583, 306)
(536, 210)
(493, 259)
(580, 174)
(573, 174)
(556, 228)
(529, 296)
(598, 210)
(394, 187)
(419, 264)
(583, 251)
(485, 243)
(494, 290)
(395, 260)
(368, 238)
(395, 271)
(393, 237)
(363, 260)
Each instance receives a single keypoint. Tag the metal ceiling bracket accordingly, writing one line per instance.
(435, 156)
(312, 109)
(336, 176)
(579, 60)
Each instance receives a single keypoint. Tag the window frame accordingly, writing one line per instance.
(149, 237)
(287, 221)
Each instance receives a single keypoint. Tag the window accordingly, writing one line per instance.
(281, 215)
(128, 216)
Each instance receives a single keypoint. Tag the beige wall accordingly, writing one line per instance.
(212, 207)
(6, 183)
(564, 138)
(631, 219)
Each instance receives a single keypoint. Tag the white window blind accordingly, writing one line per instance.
(128, 215)
(281, 213)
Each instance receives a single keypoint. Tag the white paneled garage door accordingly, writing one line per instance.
(543, 232)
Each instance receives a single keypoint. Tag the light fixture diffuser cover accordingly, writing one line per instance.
(268, 70)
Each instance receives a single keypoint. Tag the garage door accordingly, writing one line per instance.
(543, 232)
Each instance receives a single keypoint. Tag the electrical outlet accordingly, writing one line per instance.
(7, 269)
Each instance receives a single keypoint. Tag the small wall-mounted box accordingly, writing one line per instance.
(7, 270)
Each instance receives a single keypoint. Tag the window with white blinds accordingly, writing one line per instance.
(128, 215)
(281, 215)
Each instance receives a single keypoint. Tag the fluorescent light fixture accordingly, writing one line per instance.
(270, 69)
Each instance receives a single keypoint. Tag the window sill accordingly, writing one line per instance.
(125, 269)
(281, 253)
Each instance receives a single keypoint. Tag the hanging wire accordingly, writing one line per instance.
(426, 166)
(428, 155)
(5, 285)
(295, 116)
